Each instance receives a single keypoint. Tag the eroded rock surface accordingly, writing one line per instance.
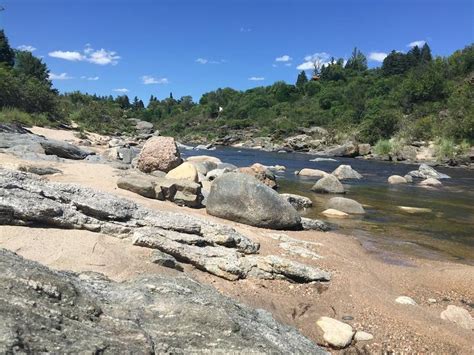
(46, 311)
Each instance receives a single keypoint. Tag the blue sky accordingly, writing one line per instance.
(191, 47)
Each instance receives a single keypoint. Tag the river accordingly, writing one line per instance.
(446, 232)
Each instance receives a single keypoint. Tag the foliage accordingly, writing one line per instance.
(383, 147)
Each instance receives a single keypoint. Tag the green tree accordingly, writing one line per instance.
(28, 65)
(301, 80)
(426, 53)
(7, 55)
(357, 62)
(395, 63)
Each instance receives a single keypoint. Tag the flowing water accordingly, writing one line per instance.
(445, 231)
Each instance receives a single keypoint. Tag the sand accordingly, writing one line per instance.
(363, 290)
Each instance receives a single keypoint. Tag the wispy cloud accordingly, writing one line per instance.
(99, 57)
(322, 58)
(209, 61)
(284, 58)
(377, 56)
(148, 80)
(62, 76)
(25, 47)
(245, 29)
(256, 78)
(91, 78)
(419, 43)
(202, 61)
(122, 90)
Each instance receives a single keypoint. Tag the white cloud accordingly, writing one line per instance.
(91, 78)
(147, 80)
(377, 56)
(62, 76)
(67, 55)
(122, 90)
(288, 64)
(284, 58)
(322, 58)
(245, 29)
(202, 61)
(419, 43)
(256, 78)
(25, 47)
(208, 61)
(100, 57)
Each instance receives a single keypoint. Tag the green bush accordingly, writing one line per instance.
(445, 149)
(383, 147)
(13, 115)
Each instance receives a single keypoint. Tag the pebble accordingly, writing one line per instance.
(431, 300)
(406, 300)
(362, 336)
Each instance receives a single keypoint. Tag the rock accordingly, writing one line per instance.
(407, 152)
(431, 300)
(335, 333)
(425, 172)
(144, 127)
(226, 166)
(362, 336)
(142, 185)
(405, 300)
(159, 153)
(397, 179)
(39, 170)
(349, 150)
(261, 173)
(205, 147)
(214, 174)
(111, 153)
(408, 178)
(13, 128)
(345, 205)
(364, 149)
(314, 224)
(27, 200)
(430, 182)
(297, 201)
(409, 209)
(459, 316)
(202, 158)
(185, 171)
(128, 154)
(328, 184)
(312, 172)
(182, 146)
(64, 312)
(203, 167)
(242, 198)
(330, 212)
(187, 199)
(346, 172)
(163, 259)
(323, 159)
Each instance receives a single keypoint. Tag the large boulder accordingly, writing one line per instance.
(261, 173)
(329, 184)
(346, 172)
(159, 153)
(345, 205)
(312, 172)
(364, 149)
(242, 198)
(426, 171)
(185, 171)
(202, 158)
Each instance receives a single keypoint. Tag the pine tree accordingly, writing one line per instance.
(414, 56)
(357, 61)
(7, 55)
(301, 80)
(426, 53)
(29, 65)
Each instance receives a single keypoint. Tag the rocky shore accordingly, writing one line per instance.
(64, 197)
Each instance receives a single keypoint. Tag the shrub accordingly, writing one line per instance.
(445, 149)
(383, 147)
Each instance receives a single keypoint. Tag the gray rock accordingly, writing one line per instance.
(39, 170)
(459, 316)
(297, 201)
(226, 166)
(166, 260)
(364, 149)
(128, 154)
(204, 167)
(396, 180)
(328, 184)
(314, 224)
(345, 205)
(144, 127)
(426, 171)
(346, 172)
(138, 184)
(46, 311)
(408, 178)
(214, 174)
(242, 198)
(362, 336)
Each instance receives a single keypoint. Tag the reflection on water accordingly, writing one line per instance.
(446, 230)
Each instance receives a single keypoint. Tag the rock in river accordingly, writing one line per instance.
(297, 201)
(396, 179)
(312, 172)
(345, 205)
(425, 171)
(159, 153)
(346, 172)
(431, 182)
(328, 184)
(242, 198)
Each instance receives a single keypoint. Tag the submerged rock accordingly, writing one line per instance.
(331, 212)
(425, 171)
(63, 312)
(396, 179)
(297, 201)
(346, 205)
(312, 172)
(242, 198)
(328, 184)
(431, 182)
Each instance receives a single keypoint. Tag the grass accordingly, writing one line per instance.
(13, 115)
(383, 147)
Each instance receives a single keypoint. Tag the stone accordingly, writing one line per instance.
(312, 173)
(128, 154)
(185, 171)
(220, 250)
(314, 224)
(214, 174)
(364, 149)
(144, 127)
(328, 184)
(231, 167)
(261, 173)
(159, 153)
(425, 171)
(297, 201)
(203, 167)
(39, 170)
(346, 172)
(408, 178)
(202, 158)
(409, 209)
(396, 179)
(459, 316)
(331, 212)
(111, 153)
(430, 182)
(336, 333)
(186, 199)
(242, 198)
(362, 336)
(138, 184)
(346, 205)
(64, 312)
(163, 259)
(405, 300)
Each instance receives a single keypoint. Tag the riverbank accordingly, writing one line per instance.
(362, 290)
